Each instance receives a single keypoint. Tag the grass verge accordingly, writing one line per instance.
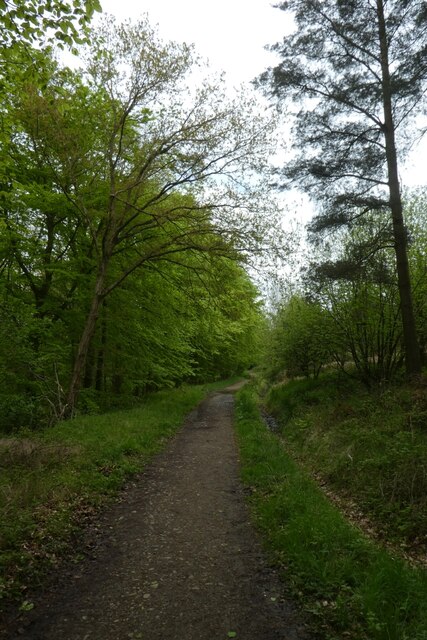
(367, 446)
(351, 588)
(52, 482)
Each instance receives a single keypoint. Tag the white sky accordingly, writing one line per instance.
(232, 35)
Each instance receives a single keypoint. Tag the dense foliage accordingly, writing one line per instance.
(347, 313)
(357, 70)
(45, 21)
(128, 204)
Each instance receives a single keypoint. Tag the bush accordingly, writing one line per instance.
(303, 340)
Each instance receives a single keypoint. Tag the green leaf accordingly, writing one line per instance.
(231, 634)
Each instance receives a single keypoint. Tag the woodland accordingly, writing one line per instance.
(134, 197)
(139, 214)
(131, 201)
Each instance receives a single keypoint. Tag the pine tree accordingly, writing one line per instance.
(358, 69)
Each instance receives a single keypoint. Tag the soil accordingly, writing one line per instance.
(176, 558)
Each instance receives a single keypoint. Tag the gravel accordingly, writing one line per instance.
(176, 558)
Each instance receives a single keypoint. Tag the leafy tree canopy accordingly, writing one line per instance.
(123, 168)
(63, 22)
(332, 66)
(358, 70)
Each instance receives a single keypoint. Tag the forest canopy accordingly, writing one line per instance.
(135, 190)
(130, 200)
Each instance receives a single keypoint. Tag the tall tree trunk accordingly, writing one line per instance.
(100, 361)
(84, 345)
(412, 351)
(89, 369)
(117, 378)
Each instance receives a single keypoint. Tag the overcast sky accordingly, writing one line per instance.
(232, 34)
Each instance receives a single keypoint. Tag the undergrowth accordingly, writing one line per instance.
(53, 481)
(351, 588)
(370, 446)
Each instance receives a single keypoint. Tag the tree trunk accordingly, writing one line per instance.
(100, 361)
(412, 351)
(89, 369)
(84, 345)
(117, 378)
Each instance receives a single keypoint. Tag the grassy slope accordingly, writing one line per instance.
(52, 481)
(352, 588)
(369, 446)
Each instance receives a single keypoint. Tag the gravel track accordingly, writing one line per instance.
(176, 558)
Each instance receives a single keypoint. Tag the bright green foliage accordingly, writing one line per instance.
(228, 322)
(180, 325)
(62, 22)
(121, 230)
(303, 339)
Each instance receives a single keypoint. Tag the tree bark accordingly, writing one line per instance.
(68, 409)
(100, 361)
(89, 369)
(412, 351)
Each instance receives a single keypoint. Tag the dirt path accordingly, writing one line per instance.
(176, 558)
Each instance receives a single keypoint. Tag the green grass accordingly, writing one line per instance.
(351, 588)
(371, 446)
(52, 481)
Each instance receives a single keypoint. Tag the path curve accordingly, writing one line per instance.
(176, 558)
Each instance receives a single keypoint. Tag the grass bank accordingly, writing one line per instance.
(352, 588)
(369, 447)
(52, 482)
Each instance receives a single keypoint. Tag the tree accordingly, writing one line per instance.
(63, 22)
(134, 170)
(359, 290)
(227, 320)
(303, 339)
(416, 215)
(192, 322)
(359, 70)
